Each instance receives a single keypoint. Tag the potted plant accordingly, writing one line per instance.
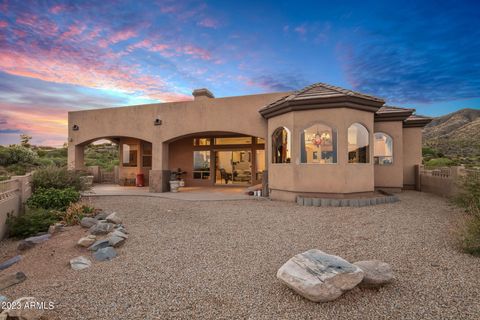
(176, 180)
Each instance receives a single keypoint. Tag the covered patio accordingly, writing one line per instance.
(210, 193)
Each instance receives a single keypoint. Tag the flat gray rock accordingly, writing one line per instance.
(3, 299)
(101, 216)
(318, 276)
(55, 228)
(99, 244)
(87, 241)
(8, 280)
(116, 241)
(80, 263)
(6, 264)
(377, 273)
(101, 228)
(114, 218)
(119, 233)
(103, 254)
(32, 241)
(88, 222)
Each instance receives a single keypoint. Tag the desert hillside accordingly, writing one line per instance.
(456, 134)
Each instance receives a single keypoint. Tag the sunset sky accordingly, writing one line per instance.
(57, 57)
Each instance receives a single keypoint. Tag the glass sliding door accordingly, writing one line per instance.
(233, 167)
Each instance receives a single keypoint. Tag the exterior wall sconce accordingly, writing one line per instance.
(75, 127)
(157, 122)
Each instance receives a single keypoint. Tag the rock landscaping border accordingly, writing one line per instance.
(353, 202)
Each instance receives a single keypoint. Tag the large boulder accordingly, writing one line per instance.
(87, 241)
(80, 263)
(101, 228)
(115, 241)
(114, 218)
(88, 222)
(8, 280)
(103, 254)
(319, 276)
(21, 310)
(377, 273)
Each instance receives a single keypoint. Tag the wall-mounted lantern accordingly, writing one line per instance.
(157, 122)
(75, 127)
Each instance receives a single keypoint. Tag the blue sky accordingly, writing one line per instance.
(57, 56)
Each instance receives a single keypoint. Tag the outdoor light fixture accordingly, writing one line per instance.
(157, 122)
(75, 127)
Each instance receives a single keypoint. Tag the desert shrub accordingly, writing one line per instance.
(469, 199)
(440, 162)
(18, 169)
(52, 198)
(59, 178)
(75, 212)
(17, 154)
(33, 221)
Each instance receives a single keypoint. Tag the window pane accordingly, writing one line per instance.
(319, 144)
(129, 155)
(281, 142)
(201, 142)
(201, 164)
(358, 146)
(260, 141)
(233, 140)
(147, 161)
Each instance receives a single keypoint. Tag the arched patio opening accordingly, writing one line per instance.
(114, 159)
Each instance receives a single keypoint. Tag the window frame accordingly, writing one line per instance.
(289, 145)
(335, 144)
(392, 156)
(369, 155)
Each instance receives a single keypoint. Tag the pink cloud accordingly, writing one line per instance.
(3, 24)
(56, 9)
(209, 23)
(118, 37)
(195, 51)
(73, 30)
(42, 26)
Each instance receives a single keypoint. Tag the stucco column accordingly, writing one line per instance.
(159, 175)
(76, 157)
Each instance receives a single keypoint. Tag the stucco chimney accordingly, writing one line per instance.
(202, 94)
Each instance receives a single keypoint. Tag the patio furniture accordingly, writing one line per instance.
(225, 176)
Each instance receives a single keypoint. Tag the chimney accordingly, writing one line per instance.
(203, 93)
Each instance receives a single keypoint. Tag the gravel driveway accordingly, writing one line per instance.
(218, 260)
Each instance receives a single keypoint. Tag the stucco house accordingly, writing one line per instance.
(320, 140)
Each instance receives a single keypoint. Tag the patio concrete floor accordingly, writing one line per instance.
(185, 193)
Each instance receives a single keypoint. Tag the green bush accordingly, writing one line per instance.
(18, 169)
(469, 198)
(440, 162)
(32, 222)
(59, 178)
(52, 198)
(17, 155)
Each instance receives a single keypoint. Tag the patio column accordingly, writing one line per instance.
(159, 176)
(76, 157)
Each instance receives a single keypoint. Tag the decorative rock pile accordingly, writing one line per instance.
(103, 249)
(321, 277)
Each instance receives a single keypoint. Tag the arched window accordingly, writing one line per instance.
(318, 144)
(358, 145)
(281, 142)
(383, 149)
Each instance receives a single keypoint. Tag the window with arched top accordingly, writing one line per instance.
(382, 149)
(358, 144)
(281, 145)
(318, 144)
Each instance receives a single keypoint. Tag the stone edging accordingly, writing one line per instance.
(361, 202)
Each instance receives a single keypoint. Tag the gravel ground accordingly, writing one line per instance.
(218, 260)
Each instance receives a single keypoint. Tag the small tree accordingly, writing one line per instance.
(25, 140)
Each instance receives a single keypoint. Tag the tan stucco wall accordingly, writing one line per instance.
(341, 177)
(412, 154)
(391, 176)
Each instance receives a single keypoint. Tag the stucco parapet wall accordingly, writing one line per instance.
(358, 202)
(389, 113)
